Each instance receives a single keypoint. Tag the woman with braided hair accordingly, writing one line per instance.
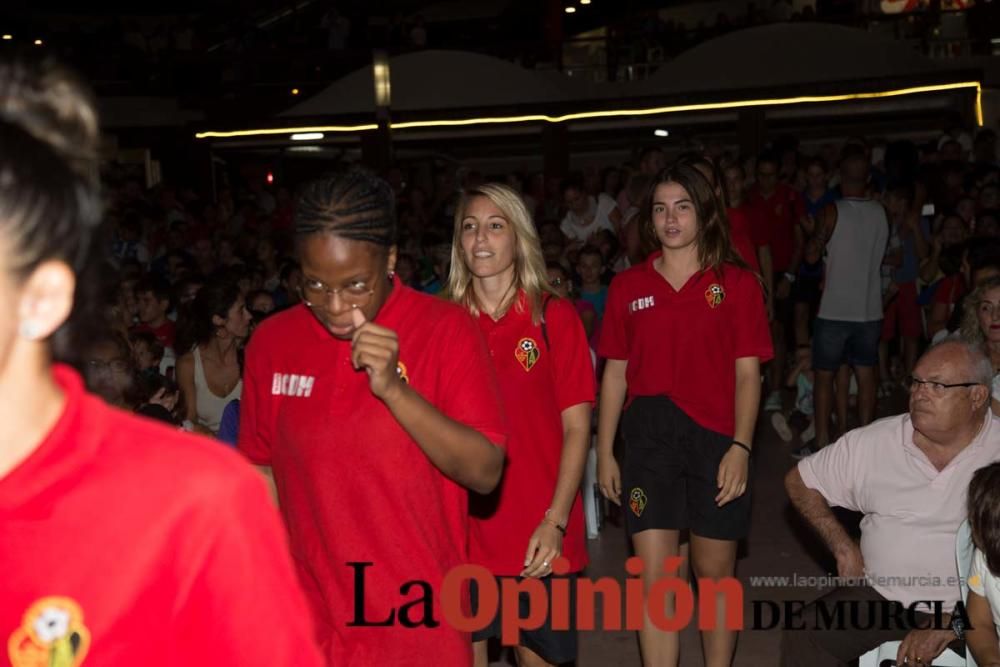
(376, 410)
(124, 541)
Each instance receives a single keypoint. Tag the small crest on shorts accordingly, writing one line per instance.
(715, 295)
(527, 353)
(637, 501)
(401, 372)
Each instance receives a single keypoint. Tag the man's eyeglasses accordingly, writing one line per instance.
(115, 365)
(935, 388)
(316, 293)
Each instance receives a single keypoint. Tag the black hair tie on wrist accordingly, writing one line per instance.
(743, 447)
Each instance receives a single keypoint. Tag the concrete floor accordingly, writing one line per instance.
(778, 545)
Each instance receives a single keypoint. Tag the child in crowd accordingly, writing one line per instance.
(801, 417)
(982, 606)
(590, 266)
(907, 248)
(260, 303)
(147, 352)
(561, 282)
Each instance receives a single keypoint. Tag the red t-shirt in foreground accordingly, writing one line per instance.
(354, 486)
(684, 344)
(537, 382)
(128, 543)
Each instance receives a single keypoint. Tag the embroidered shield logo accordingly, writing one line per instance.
(637, 501)
(52, 634)
(527, 353)
(715, 295)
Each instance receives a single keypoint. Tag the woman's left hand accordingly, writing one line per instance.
(544, 547)
(376, 349)
(733, 475)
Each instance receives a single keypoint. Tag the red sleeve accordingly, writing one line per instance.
(469, 391)
(239, 601)
(571, 362)
(740, 223)
(614, 339)
(798, 205)
(255, 417)
(950, 290)
(749, 318)
(757, 224)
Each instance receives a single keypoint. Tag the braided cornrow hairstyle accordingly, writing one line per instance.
(355, 205)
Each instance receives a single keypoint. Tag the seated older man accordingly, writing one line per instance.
(908, 475)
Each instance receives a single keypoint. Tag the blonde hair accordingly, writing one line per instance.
(530, 274)
(970, 330)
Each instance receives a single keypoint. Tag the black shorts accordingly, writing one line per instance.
(555, 646)
(670, 471)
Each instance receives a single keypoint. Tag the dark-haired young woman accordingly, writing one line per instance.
(208, 372)
(119, 541)
(684, 334)
(983, 602)
(377, 409)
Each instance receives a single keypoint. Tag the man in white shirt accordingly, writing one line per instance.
(586, 216)
(854, 232)
(909, 476)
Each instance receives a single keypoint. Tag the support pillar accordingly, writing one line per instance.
(555, 150)
(752, 131)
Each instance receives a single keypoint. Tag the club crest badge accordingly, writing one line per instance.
(401, 372)
(637, 501)
(527, 353)
(52, 634)
(715, 295)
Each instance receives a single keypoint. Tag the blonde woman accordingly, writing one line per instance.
(981, 326)
(540, 352)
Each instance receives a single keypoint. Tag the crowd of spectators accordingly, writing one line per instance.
(168, 244)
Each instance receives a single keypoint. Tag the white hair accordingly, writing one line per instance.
(979, 365)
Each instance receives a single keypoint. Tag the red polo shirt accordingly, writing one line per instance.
(129, 543)
(950, 289)
(774, 219)
(684, 344)
(537, 382)
(353, 484)
(743, 237)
